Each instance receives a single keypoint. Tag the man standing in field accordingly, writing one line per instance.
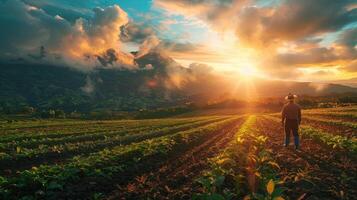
(291, 118)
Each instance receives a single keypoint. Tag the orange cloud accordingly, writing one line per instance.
(285, 36)
(60, 42)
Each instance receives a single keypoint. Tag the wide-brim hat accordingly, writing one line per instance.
(290, 96)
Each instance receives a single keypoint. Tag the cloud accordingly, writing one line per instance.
(343, 49)
(351, 67)
(215, 12)
(292, 20)
(27, 28)
(148, 45)
(69, 10)
(89, 86)
(254, 23)
(285, 35)
(136, 32)
(177, 46)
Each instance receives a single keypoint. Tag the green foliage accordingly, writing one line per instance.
(45, 87)
(50, 181)
(246, 164)
(334, 141)
(49, 145)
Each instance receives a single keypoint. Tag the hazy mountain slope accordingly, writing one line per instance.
(281, 88)
(158, 82)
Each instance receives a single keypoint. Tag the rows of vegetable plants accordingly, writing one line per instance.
(107, 167)
(89, 136)
(245, 169)
(67, 148)
(316, 171)
(339, 115)
(336, 109)
(175, 178)
(89, 127)
(333, 141)
(336, 127)
(41, 123)
(333, 122)
(60, 123)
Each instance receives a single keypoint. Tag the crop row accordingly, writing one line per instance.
(332, 114)
(99, 135)
(333, 141)
(38, 124)
(333, 122)
(67, 149)
(60, 180)
(337, 109)
(90, 127)
(346, 115)
(244, 169)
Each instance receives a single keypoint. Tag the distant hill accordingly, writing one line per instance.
(281, 88)
(159, 81)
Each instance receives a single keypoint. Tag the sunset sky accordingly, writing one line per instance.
(305, 40)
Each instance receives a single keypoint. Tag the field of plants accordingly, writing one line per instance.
(205, 157)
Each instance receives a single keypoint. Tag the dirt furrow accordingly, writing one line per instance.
(333, 129)
(333, 117)
(315, 171)
(64, 156)
(175, 178)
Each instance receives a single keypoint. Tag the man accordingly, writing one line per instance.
(291, 118)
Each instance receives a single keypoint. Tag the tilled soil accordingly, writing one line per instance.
(103, 186)
(333, 129)
(334, 117)
(175, 179)
(315, 171)
(10, 167)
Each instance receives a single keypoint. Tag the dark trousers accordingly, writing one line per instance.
(292, 126)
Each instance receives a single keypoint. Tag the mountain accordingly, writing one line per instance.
(49, 87)
(281, 88)
(349, 82)
(158, 82)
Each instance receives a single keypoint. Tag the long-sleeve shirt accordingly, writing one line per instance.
(291, 111)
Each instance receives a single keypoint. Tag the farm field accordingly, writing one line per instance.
(204, 157)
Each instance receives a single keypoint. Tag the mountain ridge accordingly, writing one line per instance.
(159, 81)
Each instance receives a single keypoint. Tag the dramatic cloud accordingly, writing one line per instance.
(352, 66)
(215, 12)
(136, 32)
(286, 35)
(289, 20)
(28, 28)
(149, 44)
(292, 20)
(287, 39)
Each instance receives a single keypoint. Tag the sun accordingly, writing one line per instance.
(248, 71)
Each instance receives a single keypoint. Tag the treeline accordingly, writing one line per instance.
(275, 103)
(30, 112)
(142, 112)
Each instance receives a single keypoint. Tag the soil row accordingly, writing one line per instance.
(315, 171)
(175, 178)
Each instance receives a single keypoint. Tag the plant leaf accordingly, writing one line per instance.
(18, 149)
(270, 186)
(279, 198)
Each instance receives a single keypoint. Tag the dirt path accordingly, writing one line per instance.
(175, 178)
(315, 171)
